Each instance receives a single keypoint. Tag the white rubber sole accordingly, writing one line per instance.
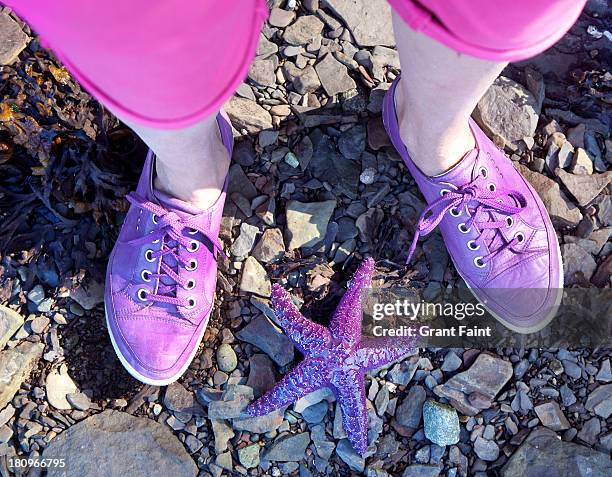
(543, 323)
(143, 379)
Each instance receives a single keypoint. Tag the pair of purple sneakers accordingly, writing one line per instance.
(162, 272)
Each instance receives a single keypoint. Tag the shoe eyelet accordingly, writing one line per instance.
(479, 262)
(472, 245)
(509, 221)
(194, 245)
(443, 192)
(192, 231)
(520, 237)
(190, 285)
(142, 294)
(146, 275)
(155, 219)
(191, 303)
(455, 212)
(492, 187)
(483, 171)
(462, 228)
(193, 264)
(155, 241)
(149, 256)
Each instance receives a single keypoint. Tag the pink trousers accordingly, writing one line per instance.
(168, 63)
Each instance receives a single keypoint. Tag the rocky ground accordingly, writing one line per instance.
(315, 186)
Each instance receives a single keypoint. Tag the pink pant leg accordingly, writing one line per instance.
(497, 30)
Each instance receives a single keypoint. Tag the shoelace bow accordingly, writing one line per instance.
(170, 227)
(488, 201)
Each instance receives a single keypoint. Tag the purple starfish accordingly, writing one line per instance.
(334, 357)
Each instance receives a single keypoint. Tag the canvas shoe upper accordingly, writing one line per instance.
(495, 227)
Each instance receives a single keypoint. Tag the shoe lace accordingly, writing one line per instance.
(481, 204)
(169, 230)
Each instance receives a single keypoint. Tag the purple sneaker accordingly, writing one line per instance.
(495, 227)
(161, 279)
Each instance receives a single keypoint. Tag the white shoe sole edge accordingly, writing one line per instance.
(153, 382)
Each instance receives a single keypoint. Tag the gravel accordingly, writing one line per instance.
(314, 187)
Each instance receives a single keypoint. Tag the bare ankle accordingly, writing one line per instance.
(199, 193)
(196, 177)
(435, 153)
(436, 137)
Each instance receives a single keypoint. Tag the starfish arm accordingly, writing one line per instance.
(376, 352)
(349, 387)
(346, 322)
(308, 376)
(306, 335)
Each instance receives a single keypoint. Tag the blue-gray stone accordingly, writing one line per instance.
(441, 423)
(315, 413)
(346, 452)
(419, 470)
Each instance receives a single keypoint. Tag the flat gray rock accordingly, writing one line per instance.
(88, 294)
(452, 362)
(303, 30)
(290, 448)
(508, 110)
(304, 80)
(334, 76)
(265, 48)
(577, 263)
(584, 188)
(543, 454)
(248, 115)
(79, 401)
(600, 401)
(223, 433)
(115, 443)
(179, 399)
(551, 416)
(590, 430)
(58, 385)
(232, 403)
(262, 72)
(345, 451)
(12, 39)
(369, 21)
(323, 445)
(254, 278)
(605, 372)
(10, 322)
(245, 241)
(280, 18)
(420, 470)
(15, 366)
(409, 412)
(267, 337)
(271, 246)
(561, 210)
(260, 424)
(486, 449)
(315, 413)
(473, 390)
(261, 374)
(307, 222)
